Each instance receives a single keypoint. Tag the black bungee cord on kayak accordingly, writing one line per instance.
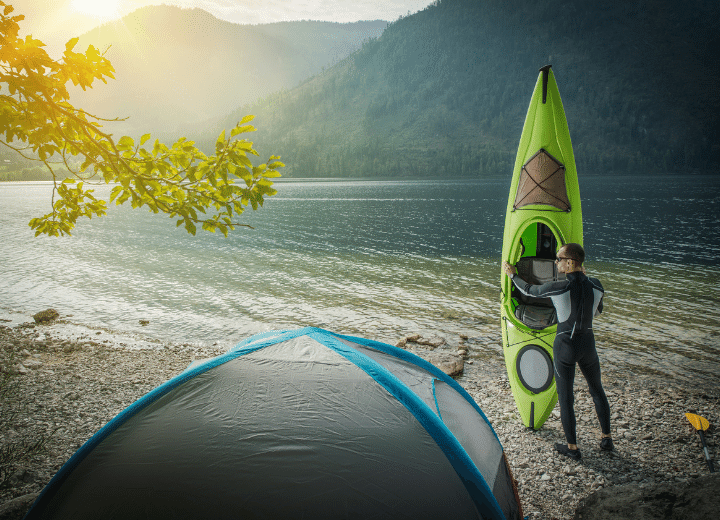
(539, 186)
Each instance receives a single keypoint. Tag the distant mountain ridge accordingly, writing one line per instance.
(176, 69)
(444, 92)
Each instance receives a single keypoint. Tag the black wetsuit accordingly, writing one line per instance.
(576, 300)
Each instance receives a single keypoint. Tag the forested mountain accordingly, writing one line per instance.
(444, 92)
(177, 68)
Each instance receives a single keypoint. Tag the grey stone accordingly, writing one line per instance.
(694, 499)
(451, 364)
(16, 508)
(22, 475)
(46, 316)
(32, 364)
(432, 342)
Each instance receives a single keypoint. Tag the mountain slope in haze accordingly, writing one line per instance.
(444, 92)
(176, 68)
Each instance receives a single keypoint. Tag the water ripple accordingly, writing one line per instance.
(380, 260)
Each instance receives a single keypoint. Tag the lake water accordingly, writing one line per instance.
(379, 260)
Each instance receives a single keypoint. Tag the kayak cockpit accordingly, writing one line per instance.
(536, 313)
(538, 245)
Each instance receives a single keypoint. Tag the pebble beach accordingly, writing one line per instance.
(70, 385)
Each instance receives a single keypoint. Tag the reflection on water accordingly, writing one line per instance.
(381, 260)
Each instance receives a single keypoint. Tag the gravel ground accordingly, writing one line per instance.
(654, 443)
(70, 387)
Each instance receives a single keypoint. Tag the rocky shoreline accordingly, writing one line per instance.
(68, 388)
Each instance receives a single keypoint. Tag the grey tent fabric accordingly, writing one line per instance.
(293, 424)
(474, 433)
(542, 181)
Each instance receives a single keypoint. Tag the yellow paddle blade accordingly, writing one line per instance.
(699, 423)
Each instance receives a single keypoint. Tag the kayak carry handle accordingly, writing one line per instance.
(546, 72)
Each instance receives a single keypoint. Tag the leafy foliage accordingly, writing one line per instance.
(38, 121)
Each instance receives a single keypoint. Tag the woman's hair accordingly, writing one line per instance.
(575, 251)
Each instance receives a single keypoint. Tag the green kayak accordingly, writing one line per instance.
(543, 213)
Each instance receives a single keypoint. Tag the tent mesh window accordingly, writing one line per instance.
(542, 181)
(474, 434)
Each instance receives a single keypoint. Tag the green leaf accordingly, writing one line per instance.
(209, 226)
(115, 192)
(87, 162)
(144, 139)
(92, 53)
(123, 198)
(220, 143)
(243, 160)
(243, 130)
(70, 45)
(125, 143)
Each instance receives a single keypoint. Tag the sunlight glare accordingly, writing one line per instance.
(105, 9)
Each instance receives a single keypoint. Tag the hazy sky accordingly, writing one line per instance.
(56, 21)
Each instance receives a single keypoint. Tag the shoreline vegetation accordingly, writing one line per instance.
(36, 174)
(66, 389)
(31, 174)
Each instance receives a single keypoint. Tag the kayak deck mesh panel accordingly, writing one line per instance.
(542, 181)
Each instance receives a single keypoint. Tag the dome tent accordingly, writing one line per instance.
(293, 424)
